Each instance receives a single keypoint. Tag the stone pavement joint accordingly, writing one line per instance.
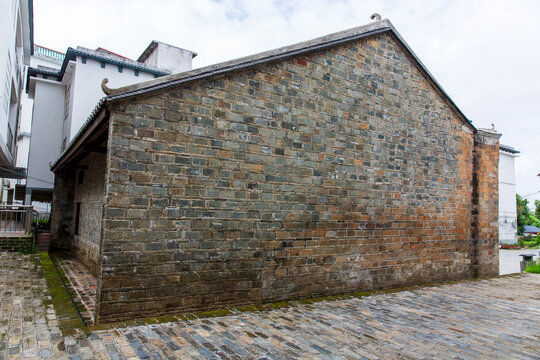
(468, 320)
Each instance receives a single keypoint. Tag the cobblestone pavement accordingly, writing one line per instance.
(496, 318)
(81, 282)
(481, 319)
(28, 325)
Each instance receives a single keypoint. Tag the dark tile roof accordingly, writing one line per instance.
(98, 55)
(508, 149)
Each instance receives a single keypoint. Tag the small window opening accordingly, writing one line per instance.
(77, 217)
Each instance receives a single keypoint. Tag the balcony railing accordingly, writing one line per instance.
(43, 51)
(16, 220)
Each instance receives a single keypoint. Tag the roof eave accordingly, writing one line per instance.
(99, 113)
(71, 54)
(33, 72)
(508, 149)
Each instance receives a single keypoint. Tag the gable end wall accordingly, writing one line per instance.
(339, 171)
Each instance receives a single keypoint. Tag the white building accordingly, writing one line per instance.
(507, 195)
(16, 43)
(64, 98)
(41, 57)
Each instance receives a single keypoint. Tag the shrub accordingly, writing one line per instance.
(534, 268)
(28, 247)
(41, 221)
(529, 242)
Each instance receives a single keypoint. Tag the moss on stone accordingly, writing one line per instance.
(212, 313)
(251, 308)
(166, 319)
(278, 305)
(66, 313)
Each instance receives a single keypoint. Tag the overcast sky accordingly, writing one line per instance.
(484, 53)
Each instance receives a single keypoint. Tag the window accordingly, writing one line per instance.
(77, 217)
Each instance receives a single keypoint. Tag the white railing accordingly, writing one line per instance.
(17, 219)
(43, 51)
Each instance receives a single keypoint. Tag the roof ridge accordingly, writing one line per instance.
(289, 50)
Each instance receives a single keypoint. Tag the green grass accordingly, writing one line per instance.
(534, 268)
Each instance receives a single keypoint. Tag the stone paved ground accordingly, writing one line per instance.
(81, 282)
(495, 318)
(28, 325)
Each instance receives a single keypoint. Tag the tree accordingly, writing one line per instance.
(537, 210)
(535, 221)
(523, 213)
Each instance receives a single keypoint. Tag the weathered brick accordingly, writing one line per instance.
(339, 171)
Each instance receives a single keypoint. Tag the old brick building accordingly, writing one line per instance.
(330, 166)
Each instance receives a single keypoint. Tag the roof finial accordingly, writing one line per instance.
(104, 87)
(375, 16)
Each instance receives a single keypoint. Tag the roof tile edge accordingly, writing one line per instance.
(373, 26)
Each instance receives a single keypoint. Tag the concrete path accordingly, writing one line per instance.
(495, 318)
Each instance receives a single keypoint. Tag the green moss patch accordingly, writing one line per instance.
(66, 313)
(278, 305)
(166, 319)
(212, 313)
(251, 308)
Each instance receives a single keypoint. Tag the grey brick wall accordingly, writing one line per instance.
(62, 209)
(89, 191)
(338, 171)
